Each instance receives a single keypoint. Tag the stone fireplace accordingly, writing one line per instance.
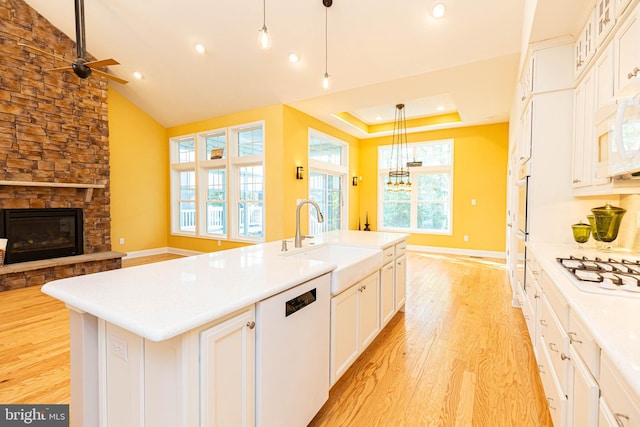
(54, 144)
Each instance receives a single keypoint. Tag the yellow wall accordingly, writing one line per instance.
(480, 172)
(139, 179)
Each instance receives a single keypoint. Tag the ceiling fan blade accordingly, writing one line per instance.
(60, 58)
(61, 69)
(109, 76)
(102, 63)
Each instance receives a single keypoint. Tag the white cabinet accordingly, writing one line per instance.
(585, 45)
(583, 136)
(621, 6)
(627, 56)
(203, 377)
(617, 396)
(387, 293)
(605, 19)
(604, 78)
(227, 376)
(584, 393)
(401, 282)
(354, 323)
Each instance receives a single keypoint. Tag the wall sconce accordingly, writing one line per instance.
(299, 172)
(354, 181)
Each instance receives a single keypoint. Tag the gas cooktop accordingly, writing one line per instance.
(604, 276)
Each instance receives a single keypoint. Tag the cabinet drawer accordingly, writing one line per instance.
(529, 318)
(584, 394)
(584, 344)
(401, 248)
(556, 399)
(618, 396)
(557, 301)
(388, 254)
(556, 341)
(605, 417)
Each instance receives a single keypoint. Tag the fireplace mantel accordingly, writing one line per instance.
(88, 187)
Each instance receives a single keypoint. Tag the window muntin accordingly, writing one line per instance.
(324, 150)
(214, 141)
(428, 207)
(251, 201)
(250, 141)
(186, 150)
(187, 201)
(216, 203)
(326, 190)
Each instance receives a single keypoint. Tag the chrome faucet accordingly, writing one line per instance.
(300, 237)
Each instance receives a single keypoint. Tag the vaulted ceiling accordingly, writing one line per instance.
(379, 53)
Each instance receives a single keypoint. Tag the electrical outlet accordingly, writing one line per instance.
(466, 238)
(122, 240)
(119, 348)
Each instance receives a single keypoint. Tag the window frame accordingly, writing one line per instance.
(383, 174)
(231, 162)
(341, 170)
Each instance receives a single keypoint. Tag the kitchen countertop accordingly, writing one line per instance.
(161, 300)
(614, 321)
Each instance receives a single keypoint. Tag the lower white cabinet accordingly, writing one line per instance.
(617, 396)
(584, 393)
(227, 375)
(204, 377)
(401, 281)
(387, 293)
(354, 323)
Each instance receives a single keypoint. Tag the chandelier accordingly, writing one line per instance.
(399, 179)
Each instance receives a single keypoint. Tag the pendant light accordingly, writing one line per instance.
(264, 36)
(399, 179)
(325, 78)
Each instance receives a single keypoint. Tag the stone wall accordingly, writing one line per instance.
(53, 125)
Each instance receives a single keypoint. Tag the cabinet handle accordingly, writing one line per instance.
(552, 347)
(572, 337)
(536, 296)
(543, 322)
(549, 400)
(251, 325)
(399, 263)
(606, 20)
(540, 369)
(577, 181)
(618, 419)
(564, 357)
(633, 73)
(390, 267)
(389, 255)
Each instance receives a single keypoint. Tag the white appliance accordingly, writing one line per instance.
(292, 354)
(618, 144)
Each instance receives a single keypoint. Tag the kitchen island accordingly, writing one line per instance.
(139, 335)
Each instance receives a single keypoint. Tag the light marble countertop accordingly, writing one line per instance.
(613, 320)
(161, 300)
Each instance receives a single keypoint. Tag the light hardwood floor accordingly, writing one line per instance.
(459, 356)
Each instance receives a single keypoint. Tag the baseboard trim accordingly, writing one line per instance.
(458, 251)
(160, 251)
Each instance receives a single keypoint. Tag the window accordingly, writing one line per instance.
(214, 174)
(427, 208)
(328, 167)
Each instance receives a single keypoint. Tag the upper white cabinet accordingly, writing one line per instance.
(582, 171)
(627, 56)
(604, 78)
(585, 46)
(604, 19)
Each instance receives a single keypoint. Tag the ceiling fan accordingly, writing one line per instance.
(80, 66)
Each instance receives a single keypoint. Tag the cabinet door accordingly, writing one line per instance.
(585, 46)
(227, 360)
(628, 55)
(621, 6)
(401, 282)
(387, 300)
(344, 331)
(604, 79)
(605, 18)
(584, 394)
(368, 310)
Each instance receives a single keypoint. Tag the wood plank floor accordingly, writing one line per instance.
(459, 356)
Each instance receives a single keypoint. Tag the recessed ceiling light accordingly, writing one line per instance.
(378, 118)
(438, 10)
(200, 48)
(137, 75)
(440, 108)
(293, 58)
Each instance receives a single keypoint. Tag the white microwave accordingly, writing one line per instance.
(618, 139)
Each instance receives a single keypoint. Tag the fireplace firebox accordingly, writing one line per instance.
(37, 234)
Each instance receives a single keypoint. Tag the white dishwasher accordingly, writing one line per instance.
(292, 354)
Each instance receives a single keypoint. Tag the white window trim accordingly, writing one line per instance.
(382, 173)
(330, 168)
(232, 164)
